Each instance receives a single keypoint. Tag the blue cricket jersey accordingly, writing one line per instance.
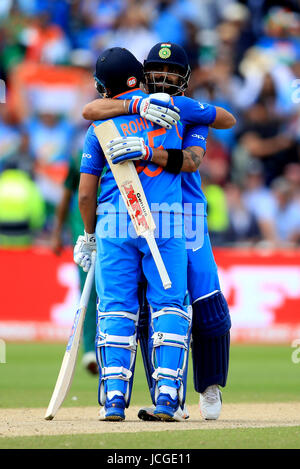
(161, 187)
(191, 182)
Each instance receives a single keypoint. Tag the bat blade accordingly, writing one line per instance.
(127, 181)
(132, 192)
(66, 373)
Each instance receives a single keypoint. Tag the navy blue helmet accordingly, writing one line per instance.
(117, 71)
(172, 79)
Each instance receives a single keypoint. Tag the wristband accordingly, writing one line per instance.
(175, 161)
(124, 106)
(133, 107)
(149, 154)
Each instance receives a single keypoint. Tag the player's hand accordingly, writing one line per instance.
(83, 249)
(56, 243)
(122, 149)
(157, 108)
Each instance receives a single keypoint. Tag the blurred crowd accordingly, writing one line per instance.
(244, 55)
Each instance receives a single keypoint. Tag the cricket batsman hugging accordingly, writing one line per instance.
(121, 154)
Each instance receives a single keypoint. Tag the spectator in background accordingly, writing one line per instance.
(263, 137)
(287, 213)
(212, 86)
(45, 42)
(259, 201)
(92, 20)
(22, 209)
(210, 12)
(216, 162)
(49, 142)
(245, 57)
(217, 210)
(281, 39)
(169, 20)
(235, 35)
(132, 31)
(292, 176)
(259, 9)
(243, 226)
(10, 137)
(12, 49)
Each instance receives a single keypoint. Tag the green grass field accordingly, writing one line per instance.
(257, 374)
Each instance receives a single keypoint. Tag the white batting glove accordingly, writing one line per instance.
(83, 249)
(122, 149)
(157, 108)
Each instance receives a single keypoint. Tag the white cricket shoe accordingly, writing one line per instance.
(147, 414)
(210, 402)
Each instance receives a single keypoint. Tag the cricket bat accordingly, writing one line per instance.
(132, 191)
(67, 369)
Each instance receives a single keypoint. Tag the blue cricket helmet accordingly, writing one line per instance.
(117, 71)
(173, 55)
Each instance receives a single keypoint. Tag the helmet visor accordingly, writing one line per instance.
(166, 82)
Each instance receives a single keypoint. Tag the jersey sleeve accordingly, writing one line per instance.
(194, 112)
(93, 160)
(195, 136)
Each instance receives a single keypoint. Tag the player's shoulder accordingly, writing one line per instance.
(185, 101)
(91, 129)
(182, 100)
(137, 93)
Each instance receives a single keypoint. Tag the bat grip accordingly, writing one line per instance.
(149, 236)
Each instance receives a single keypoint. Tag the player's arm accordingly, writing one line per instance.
(105, 108)
(194, 113)
(60, 218)
(92, 164)
(173, 160)
(223, 120)
(62, 211)
(157, 108)
(191, 158)
(87, 200)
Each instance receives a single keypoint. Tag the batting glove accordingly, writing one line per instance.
(157, 108)
(122, 149)
(83, 249)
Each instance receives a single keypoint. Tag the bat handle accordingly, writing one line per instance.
(149, 236)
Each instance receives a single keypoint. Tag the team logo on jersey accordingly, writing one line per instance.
(165, 52)
(131, 82)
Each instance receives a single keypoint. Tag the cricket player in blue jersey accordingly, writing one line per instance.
(121, 256)
(167, 70)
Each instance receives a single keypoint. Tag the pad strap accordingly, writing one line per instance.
(162, 373)
(113, 372)
(127, 342)
(179, 312)
(173, 340)
(122, 314)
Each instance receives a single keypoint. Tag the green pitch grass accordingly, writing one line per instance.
(243, 438)
(257, 374)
